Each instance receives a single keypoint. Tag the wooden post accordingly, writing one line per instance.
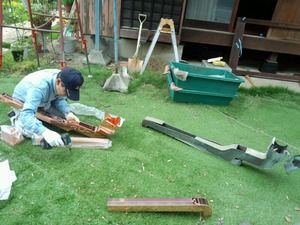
(237, 46)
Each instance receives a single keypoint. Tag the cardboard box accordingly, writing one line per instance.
(11, 135)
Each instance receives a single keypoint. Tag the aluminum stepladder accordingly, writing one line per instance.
(162, 29)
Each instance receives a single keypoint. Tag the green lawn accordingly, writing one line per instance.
(56, 187)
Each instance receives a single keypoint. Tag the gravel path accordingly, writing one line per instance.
(10, 34)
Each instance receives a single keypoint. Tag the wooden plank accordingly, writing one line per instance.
(181, 20)
(233, 15)
(84, 16)
(87, 14)
(249, 41)
(206, 36)
(132, 34)
(267, 23)
(107, 19)
(159, 205)
(237, 44)
(293, 78)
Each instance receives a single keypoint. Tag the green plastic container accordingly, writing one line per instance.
(206, 79)
(192, 96)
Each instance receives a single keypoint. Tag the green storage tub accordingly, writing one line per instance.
(206, 79)
(192, 96)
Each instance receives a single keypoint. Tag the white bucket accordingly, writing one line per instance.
(69, 44)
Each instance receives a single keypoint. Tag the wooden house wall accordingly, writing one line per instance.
(87, 14)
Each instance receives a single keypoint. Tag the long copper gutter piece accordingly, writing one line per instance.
(159, 205)
(104, 129)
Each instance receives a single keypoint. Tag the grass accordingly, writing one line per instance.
(56, 187)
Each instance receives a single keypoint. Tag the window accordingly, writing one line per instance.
(210, 10)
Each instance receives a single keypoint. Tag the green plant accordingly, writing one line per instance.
(30, 41)
(18, 45)
(67, 2)
(6, 45)
(38, 10)
(14, 12)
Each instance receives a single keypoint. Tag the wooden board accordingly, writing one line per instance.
(87, 14)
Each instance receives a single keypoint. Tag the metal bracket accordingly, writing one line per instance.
(234, 153)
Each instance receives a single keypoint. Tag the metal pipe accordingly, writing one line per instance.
(97, 24)
(63, 60)
(33, 33)
(116, 37)
(33, 29)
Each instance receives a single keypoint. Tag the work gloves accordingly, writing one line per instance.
(71, 117)
(53, 138)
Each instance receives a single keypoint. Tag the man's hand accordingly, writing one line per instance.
(71, 117)
(52, 138)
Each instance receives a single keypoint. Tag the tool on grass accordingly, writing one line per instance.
(234, 153)
(102, 104)
(134, 64)
(248, 78)
(65, 138)
(165, 26)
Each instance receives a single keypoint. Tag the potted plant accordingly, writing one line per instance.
(17, 49)
(68, 5)
(38, 19)
(38, 44)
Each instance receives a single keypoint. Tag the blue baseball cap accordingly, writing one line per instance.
(72, 80)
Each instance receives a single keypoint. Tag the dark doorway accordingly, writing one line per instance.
(256, 9)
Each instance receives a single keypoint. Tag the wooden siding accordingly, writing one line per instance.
(87, 13)
(282, 44)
